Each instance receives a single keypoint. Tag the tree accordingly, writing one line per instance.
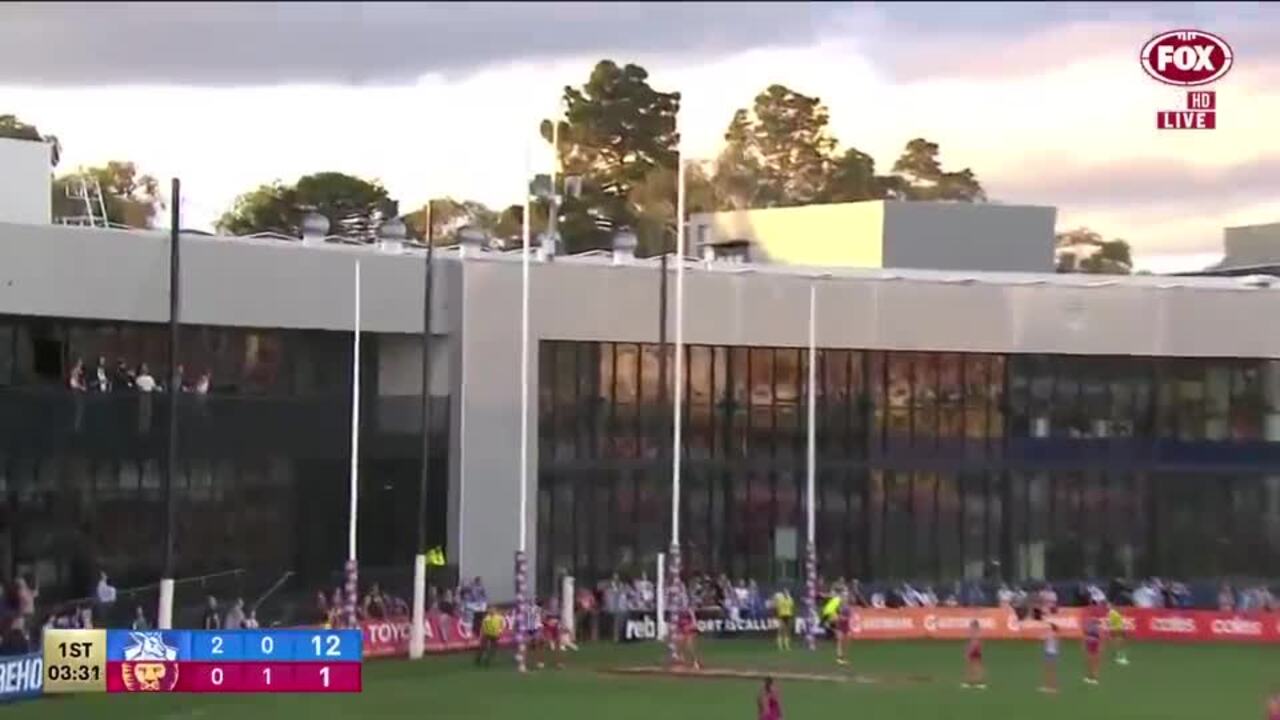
(853, 178)
(447, 217)
(1084, 251)
(738, 175)
(778, 154)
(13, 128)
(655, 204)
(131, 198)
(926, 180)
(794, 146)
(354, 207)
(616, 131)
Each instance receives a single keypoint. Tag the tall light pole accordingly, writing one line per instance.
(811, 545)
(674, 588)
(417, 631)
(521, 559)
(164, 613)
(352, 572)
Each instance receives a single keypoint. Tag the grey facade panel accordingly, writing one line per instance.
(54, 270)
(959, 236)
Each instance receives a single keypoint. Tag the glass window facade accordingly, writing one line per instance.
(932, 466)
(263, 471)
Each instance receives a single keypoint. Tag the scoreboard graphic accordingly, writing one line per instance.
(202, 661)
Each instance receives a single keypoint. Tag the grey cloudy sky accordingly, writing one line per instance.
(1045, 101)
(237, 43)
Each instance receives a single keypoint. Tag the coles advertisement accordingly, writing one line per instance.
(21, 677)
(443, 633)
(1201, 625)
(953, 624)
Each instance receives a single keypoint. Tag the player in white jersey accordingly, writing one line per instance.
(1050, 660)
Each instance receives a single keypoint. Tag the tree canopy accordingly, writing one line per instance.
(1085, 251)
(616, 134)
(353, 206)
(131, 198)
(781, 153)
(12, 127)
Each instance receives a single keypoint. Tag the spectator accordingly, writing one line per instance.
(122, 377)
(211, 619)
(321, 609)
(144, 382)
(235, 616)
(475, 603)
(1004, 596)
(105, 595)
(140, 621)
(15, 640)
(251, 622)
(855, 594)
(25, 599)
(99, 379)
(201, 386)
(1226, 598)
(447, 604)
(374, 606)
(76, 379)
(614, 603)
(644, 591)
(755, 601)
(84, 617)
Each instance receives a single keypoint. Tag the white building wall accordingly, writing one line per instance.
(25, 182)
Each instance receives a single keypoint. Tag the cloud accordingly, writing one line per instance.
(237, 43)
(913, 42)
(1149, 184)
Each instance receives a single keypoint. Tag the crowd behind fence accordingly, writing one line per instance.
(240, 599)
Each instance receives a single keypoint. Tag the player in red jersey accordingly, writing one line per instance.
(769, 703)
(1092, 649)
(687, 638)
(552, 636)
(843, 628)
(975, 673)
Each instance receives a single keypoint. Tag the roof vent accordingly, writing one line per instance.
(624, 247)
(471, 240)
(391, 236)
(548, 246)
(1258, 281)
(314, 228)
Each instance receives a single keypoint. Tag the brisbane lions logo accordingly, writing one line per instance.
(149, 664)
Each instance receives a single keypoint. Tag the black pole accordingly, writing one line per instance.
(175, 380)
(663, 411)
(426, 386)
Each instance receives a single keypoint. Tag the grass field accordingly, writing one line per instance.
(919, 680)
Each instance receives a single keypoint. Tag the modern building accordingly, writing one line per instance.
(969, 423)
(883, 234)
(1247, 250)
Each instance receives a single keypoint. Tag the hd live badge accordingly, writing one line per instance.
(1188, 58)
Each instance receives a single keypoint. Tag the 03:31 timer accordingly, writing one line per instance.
(83, 673)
